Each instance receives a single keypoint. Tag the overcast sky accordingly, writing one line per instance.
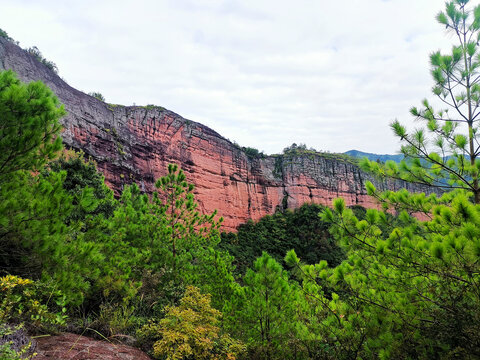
(263, 73)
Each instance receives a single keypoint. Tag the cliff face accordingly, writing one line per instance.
(135, 144)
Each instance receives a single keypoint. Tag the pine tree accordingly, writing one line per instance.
(29, 125)
(35, 242)
(163, 236)
(409, 288)
(445, 154)
(186, 225)
(265, 311)
(91, 196)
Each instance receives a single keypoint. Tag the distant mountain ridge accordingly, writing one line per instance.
(370, 156)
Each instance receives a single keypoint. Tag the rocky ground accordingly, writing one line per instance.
(69, 346)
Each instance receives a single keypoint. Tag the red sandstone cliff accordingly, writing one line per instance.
(135, 143)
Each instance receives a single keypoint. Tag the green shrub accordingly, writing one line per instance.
(97, 95)
(36, 53)
(253, 153)
(29, 302)
(4, 35)
(191, 331)
(13, 344)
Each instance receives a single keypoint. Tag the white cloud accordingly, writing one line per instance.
(261, 72)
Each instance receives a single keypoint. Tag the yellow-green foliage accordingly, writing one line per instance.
(9, 286)
(191, 330)
(7, 350)
(20, 301)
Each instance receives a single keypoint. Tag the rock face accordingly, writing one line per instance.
(76, 347)
(136, 143)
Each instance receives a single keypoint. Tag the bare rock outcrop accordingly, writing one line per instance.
(135, 144)
(69, 346)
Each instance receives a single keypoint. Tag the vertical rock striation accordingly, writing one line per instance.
(136, 143)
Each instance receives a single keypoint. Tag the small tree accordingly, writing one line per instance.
(29, 124)
(82, 177)
(264, 313)
(445, 154)
(187, 228)
(97, 95)
(193, 238)
(37, 54)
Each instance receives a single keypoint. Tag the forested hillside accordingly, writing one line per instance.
(339, 282)
(375, 157)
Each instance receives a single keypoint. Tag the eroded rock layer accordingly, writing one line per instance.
(136, 143)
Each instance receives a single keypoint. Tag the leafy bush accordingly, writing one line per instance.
(82, 176)
(14, 344)
(36, 53)
(29, 302)
(252, 153)
(4, 35)
(191, 330)
(116, 319)
(97, 95)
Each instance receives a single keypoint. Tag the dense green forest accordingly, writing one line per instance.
(300, 229)
(313, 283)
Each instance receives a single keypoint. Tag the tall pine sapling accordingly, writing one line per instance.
(445, 154)
(29, 124)
(185, 224)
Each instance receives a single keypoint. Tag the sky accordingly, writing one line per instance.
(263, 73)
